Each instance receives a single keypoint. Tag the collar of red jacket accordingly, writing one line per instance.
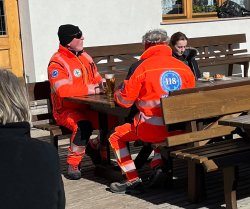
(67, 52)
(157, 50)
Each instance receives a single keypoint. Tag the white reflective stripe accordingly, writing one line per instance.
(150, 103)
(153, 120)
(157, 156)
(65, 64)
(62, 82)
(121, 100)
(122, 153)
(129, 167)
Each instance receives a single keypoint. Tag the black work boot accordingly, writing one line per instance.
(94, 154)
(127, 187)
(156, 179)
(74, 172)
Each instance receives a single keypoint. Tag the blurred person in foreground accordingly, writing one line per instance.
(72, 72)
(156, 75)
(30, 174)
(178, 43)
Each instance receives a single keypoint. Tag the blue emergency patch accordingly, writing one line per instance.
(170, 81)
(54, 73)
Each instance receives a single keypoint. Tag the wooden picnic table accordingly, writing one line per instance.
(106, 106)
(230, 178)
(242, 121)
(214, 84)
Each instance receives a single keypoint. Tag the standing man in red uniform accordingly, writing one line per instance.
(72, 72)
(156, 74)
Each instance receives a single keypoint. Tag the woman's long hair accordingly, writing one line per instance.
(177, 37)
(14, 105)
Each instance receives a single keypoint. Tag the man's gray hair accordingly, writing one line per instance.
(14, 105)
(156, 36)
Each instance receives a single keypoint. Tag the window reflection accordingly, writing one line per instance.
(203, 6)
(172, 6)
(243, 3)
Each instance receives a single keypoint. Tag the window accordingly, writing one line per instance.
(2, 19)
(173, 10)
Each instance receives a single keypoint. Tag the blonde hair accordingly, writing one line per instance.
(14, 105)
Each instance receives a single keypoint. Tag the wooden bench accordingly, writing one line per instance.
(193, 108)
(118, 58)
(41, 110)
(213, 51)
(115, 58)
(222, 50)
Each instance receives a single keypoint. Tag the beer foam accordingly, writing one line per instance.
(109, 76)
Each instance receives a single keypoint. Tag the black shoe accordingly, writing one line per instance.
(157, 179)
(94, 154)
(74, 172)
(127, 187)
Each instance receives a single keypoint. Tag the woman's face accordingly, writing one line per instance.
(180, 47)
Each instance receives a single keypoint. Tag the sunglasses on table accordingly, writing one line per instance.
(78, 35)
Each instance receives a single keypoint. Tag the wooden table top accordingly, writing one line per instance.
(102, 101)
(241, 122)
(213, 85)
(98, 99)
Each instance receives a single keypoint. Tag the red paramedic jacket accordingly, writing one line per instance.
(158, 74)
(71, 75)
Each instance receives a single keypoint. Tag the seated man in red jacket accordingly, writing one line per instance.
(72, 72)
(157, 74)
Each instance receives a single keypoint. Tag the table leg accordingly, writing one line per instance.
(103, 126)
(230, 183)
(196, 182)
(246, 66)
(247, 132)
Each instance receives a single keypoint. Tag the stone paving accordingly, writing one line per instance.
(91, 191)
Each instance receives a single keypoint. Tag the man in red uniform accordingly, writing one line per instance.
(72, 72)
(155, 76)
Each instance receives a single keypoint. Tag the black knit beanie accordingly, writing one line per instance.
(66, 33)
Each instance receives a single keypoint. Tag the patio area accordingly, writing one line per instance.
(91, 191)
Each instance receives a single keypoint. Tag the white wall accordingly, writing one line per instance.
(103, 23)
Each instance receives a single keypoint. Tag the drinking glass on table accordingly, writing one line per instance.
(206, 75)
(110, 84)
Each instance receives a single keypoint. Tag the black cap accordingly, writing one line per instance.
(66, 33)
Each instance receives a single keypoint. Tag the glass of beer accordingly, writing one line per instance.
(110, 84)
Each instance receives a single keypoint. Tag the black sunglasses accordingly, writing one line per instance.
(78, 35)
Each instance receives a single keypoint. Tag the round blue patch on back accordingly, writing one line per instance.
(170, 81)
(54, 73)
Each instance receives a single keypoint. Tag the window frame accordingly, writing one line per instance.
(188, 14)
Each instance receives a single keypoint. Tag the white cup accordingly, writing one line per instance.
(206, 75)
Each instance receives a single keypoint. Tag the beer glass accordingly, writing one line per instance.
(110, 84)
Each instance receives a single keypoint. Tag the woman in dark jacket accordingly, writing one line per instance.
(178, 43)
(30, 174)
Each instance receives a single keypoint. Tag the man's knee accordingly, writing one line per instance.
(83, 133)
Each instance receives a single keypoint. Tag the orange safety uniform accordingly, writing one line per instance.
(72, 75)
(154, 78)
